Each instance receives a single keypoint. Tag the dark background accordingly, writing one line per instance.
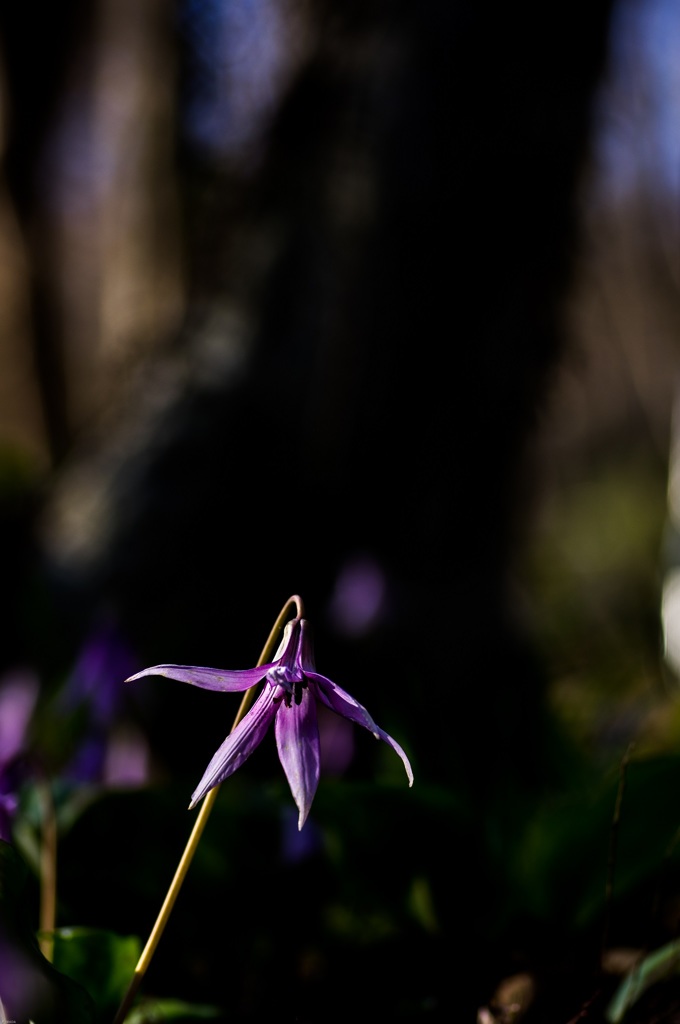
(290, 297)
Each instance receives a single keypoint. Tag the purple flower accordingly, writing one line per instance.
(94, 682)
(292, 689)
(112, 751)
(18, 696)
(24, 989)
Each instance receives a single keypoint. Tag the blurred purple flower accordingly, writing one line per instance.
(296, 845)
(289, 698)
(112, 751)
(126, 761)
(104, 660)
(360, 598)
(24, 991)
(18, 696)
(336, 738)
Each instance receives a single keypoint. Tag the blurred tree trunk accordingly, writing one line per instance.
(381, 305)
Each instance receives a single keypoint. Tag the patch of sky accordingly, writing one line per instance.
(637, 115)
(236, 53)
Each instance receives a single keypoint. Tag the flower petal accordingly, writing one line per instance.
(288, 646)
(208, 678)
(18, 697)
(239, 744)
(305, 648)
(297, 739)
(338, 700)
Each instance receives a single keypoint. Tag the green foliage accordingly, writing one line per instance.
(152, 1010)
(658, 966)
(100, 961)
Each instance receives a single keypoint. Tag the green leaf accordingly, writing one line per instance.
(152, 1010)
(101, 961)
(658, 966)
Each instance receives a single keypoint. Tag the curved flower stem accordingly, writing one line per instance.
(48, 872)
(201, 819)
